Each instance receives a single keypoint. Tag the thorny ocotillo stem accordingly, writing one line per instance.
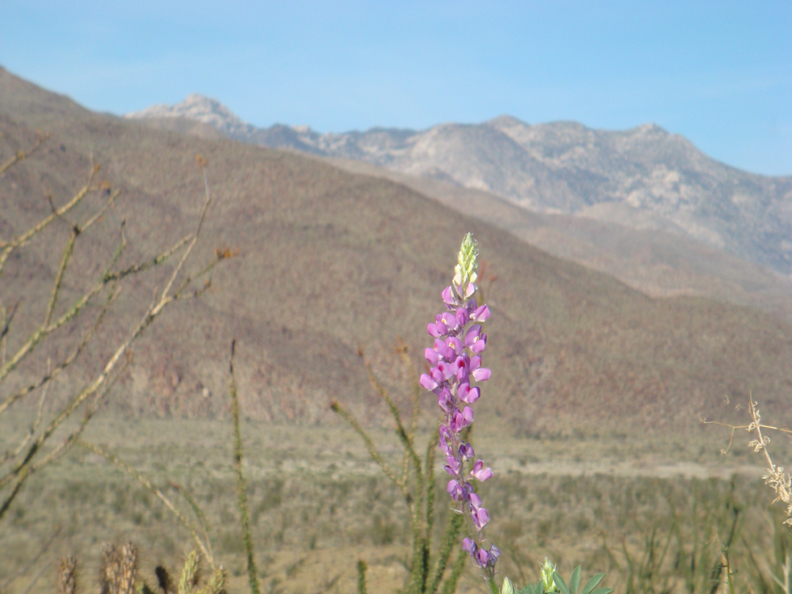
(241, 487)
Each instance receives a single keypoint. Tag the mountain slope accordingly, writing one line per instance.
(641, 178)
(646, 251)
(332, 261)
(658, 263)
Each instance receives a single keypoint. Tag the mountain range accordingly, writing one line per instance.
(642, 178)
(333, 263)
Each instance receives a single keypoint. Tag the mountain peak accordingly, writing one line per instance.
(651, 129)
(503, 121)
(196, 107)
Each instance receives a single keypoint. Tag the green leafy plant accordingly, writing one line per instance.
(551, 581)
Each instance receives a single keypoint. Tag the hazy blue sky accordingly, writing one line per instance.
(720, 73)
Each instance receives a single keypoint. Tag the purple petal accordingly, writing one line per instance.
(446, 352)
(453, 342)
(456, 492)
(460, 421)
(482, 374)
(449, 319)
(452, 466)
(427, 382)
(482, 314)
(468, 414)
(475, 501)
(469, 546)
(447, 369)
(479, 346)
(481, 473)
(432, 330)
(467, 490)
(460, 363)
(475, 363)
(448, 296)
(480, 518)
(481, 557)
(462, 375)
(471, 288)
(472, 335)
(494, 551)
(432, 356)
(471, 396)
(462, 316)
(445, 400)
(466, 451)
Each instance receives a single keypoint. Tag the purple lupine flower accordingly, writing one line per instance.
(455, 362)
(479, 472)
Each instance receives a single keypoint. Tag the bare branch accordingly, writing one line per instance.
(409, 450)
(372, 449)
(22, 470)
(25, 237)
(43, 331)
(32, 430)
(72, 438)
(7, 321)
(68, 252)
(29, 466)
(33, 561)
(159, 259)
(99, 386)
(21, 155)
(154, 490)
(100, 213)
(194, 238)
(70, 359)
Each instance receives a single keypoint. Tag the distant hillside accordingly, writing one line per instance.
(649, 252)
(640, 178)
(658, 263)
(332, 261)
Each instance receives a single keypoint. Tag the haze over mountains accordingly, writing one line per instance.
(331, 261)
(642, 178)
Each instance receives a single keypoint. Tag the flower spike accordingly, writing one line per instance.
(454, 360)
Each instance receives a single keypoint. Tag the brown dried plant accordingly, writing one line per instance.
(126, 584)
(109, 570)
(118, 574)
(67, 575)
(775, 477)
(32, 454)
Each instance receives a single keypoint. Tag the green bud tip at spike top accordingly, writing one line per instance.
(465, 270)
(548, 569)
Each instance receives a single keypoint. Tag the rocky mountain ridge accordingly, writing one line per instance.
(642, 178)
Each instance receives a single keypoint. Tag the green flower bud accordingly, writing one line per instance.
(547, 576)
(507, 587)
(467, 267)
